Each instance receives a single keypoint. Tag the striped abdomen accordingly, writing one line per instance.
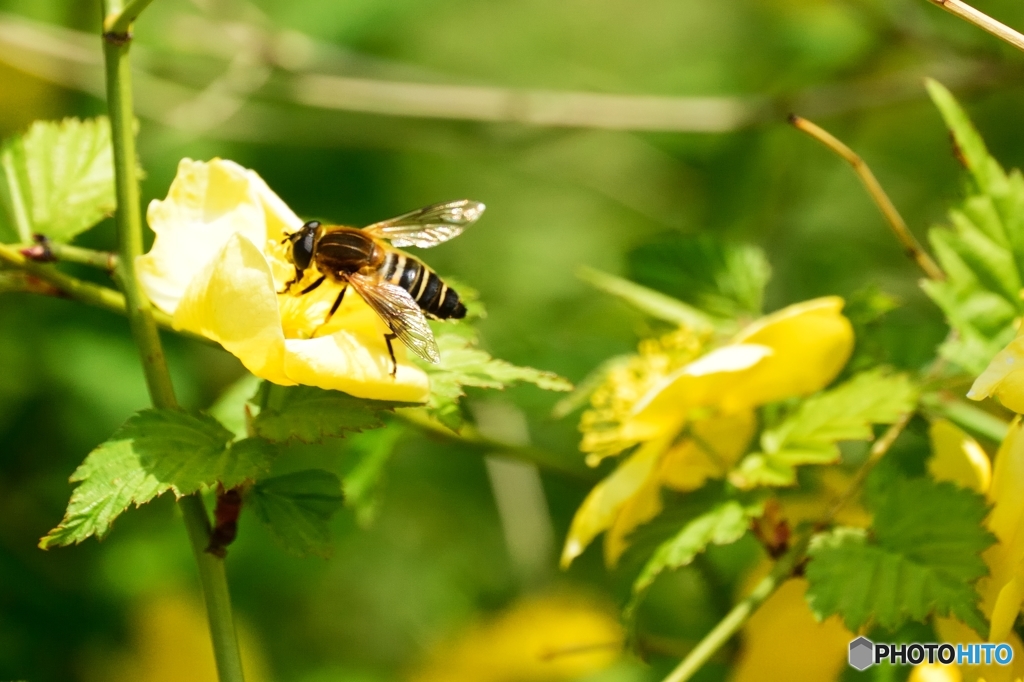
(434, 297)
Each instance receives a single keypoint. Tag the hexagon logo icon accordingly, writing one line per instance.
(862, 653)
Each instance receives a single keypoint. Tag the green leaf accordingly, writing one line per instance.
(810, 434)
(724, 524)
(648, 301)
(310, 415)
(463, 364)
(982, 253)
(58, 178)
(721, 278)
(970, 147)
(153, 452)
(923, 557)
(297, 509)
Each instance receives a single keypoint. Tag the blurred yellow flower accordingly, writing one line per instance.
(1004, 377)
(170, 642)
(216, 266)
(1001, 590)
(692, 414)
(809, 650)
(542, 639)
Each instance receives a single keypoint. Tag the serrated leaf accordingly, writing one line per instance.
(153, 452)
(922, 558)
(297, 509)
(58, 178)
(723, 279)
(983, 255)
(462, 364)
(310, 415)
(810, 435)
(970, 147)
(722, 525)
(646, 300)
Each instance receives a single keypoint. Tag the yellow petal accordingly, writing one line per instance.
(957, 457)
(206, 204)
(1006, 520)
(783, 641)
(811, 342)
(1004, 377)
(639, 509)
(606, 500)
(718, 444)
(1006, 610)
(699, 383)
(233, 301)
(793, 352)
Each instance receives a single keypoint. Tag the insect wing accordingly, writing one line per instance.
(429, 226)
(398, 309)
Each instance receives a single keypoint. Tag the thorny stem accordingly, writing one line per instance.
(782, 571)
(899, 227)
(116, 46)
(982, 20)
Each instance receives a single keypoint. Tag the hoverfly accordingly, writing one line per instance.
(399, 288)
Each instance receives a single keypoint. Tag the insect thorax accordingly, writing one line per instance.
(346, 251)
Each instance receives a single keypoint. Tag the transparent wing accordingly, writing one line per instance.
(398, 309)
(430, 225)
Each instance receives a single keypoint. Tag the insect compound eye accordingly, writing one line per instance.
(302, 247)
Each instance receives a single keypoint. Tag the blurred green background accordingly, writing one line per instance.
(238, 80)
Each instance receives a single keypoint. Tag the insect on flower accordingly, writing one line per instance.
(398, 287)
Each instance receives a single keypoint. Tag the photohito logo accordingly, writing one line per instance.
(865, 653)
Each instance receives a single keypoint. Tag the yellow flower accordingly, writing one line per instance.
(216, 266)
(1004, 377)
(808, 650)
(541, 639)
(693, 415)
(1001, 591)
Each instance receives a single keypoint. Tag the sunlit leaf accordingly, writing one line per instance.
(309, 414)
(724, 524)
(463, 364)
(297, 508)
(57, 179)
(721, 278)
(811, 433)
(923, 557)
(153, 452)
(982, 253)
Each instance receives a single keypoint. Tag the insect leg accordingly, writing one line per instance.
(314, 285)
(391, 352)
(337, 304)
(294, 280)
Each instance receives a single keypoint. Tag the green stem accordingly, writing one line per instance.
(116, 45)
(970, 418)
(215, 591)
(120, 22)
(20, 216)
(734, 620)
(66, 253)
